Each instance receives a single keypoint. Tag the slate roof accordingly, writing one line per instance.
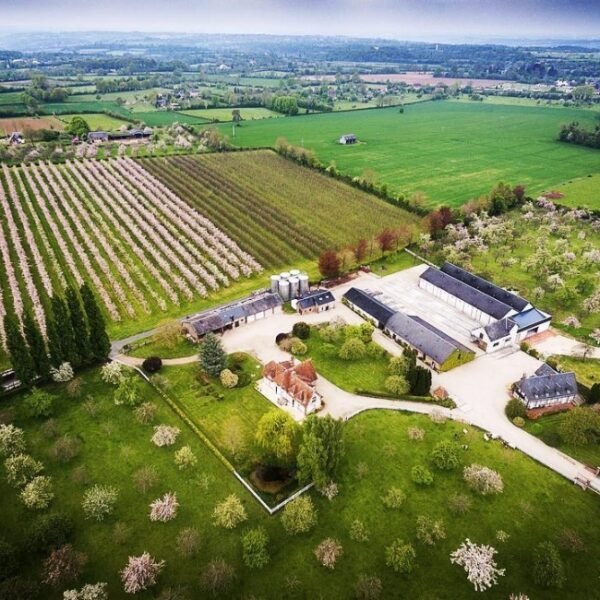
(470, 295)
(485, 286)
(530, 318)
(545, 369)
(315, 298)
(547, 387)
(368, 304)
(426, 338)
(220, 317)
(499, 329)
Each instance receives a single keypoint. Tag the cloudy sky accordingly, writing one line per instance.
(400, 19)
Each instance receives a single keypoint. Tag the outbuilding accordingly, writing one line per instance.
(314, 301)
(348, 138)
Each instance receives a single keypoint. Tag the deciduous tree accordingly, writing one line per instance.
(329, 264)
(277, 435)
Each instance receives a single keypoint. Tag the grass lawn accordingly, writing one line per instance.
(151, 347)
(224, 114)
(583, 192)
(587, 371)
(114, 446)
(452, 151)
(393, 262)
(164, 118)
(97, 121)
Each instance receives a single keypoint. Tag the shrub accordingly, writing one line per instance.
(49, 429)
(459, 504)
(400, 557)
(328, 551)
(298, 348)
(580, 427)
(548, 569)
(571, 541)
(416, 433)
(21, 469)
(398, 365)
(330, 334)
(479, 564)
(397, 385)
(127, 392)
(66, 448)
(359, 531)
(515, 408)
(254, 548)
(152, 364)
(368, 587)
(352, 349)
(483, 480)
(63, 373)
(429, 531)
(187, 542)
(145, 479)
(301, 330)
(49, 532)
(393, 498)
(375, 350)
(99, 502)
(185, 458)
(228, 378)
(217, 577)
(421, 475)
(38, 403)
(121, 533)
(165, 435)
(112, 373)
(38, 494)
(63, 565)
(140, 573)
(229, 513)
(280, 337)
(164, 509)
(299, 516)
(145, 412)
(445, 455)
(90, 591)
(12, 440)
(519, 422)
(502, 536)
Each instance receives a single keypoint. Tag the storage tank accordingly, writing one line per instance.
(294, 272)
(284, 289)
(304, 286)
(294, 287)
(275, 284)
(284, 275)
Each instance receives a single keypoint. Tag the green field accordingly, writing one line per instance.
(165, 118)
(224, 114)
(113, 446)
(276, 210)
(450, 151)
(97, 121)
(583, 192)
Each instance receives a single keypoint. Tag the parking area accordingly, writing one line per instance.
(401, 291)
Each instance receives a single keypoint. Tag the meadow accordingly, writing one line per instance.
(225, 114)
(451, 151)
(276, 210)
(97, 121)
(10, 124)
(113, 446)
(580, 193)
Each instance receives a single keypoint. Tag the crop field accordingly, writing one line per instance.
(164, 118)
(276, 210)
(583, 192)
(450, 151)
(11, 124)
(143, 249)
(224, 114)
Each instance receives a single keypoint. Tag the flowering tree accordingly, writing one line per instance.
(185, 458)
(165, 508)
(328, 551)
(140, 573)
(217, 577)
(99, 502)
(483, 480)
(38, 494)
(63, 373)
(112, 373)
(229, 513)
(90, 591)
(400, 557)
(188, 541)
(165, 435)
(21, 469)
(12, 440)
(478, 561)
(228, 378)
(299, 516)
(430, 531)
(63, 565)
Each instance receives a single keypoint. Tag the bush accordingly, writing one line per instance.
(571, 541)
(99, 502)
(445, 455)
(228, 378)
(397, 385)
(375, 350)
(393, 498)
(63, 565)
(519, 422)
(145, 479)
(359, 531)
(548, 569)
(301, 330)
(398, 365)
(368, 587)
(49, 532)
(416, 433)
(188, 542)
(459, 504)
(353, 349)
(38, 494)
(66, 448)
(298, 348)
(254, 548)
(429, 531)
(38, 404)
(244, 379)
(229, 513)
(144, 413)
(330, 334)
(217, 577)
(152, 364)
(483, 480)
(165, 435)
(328, 551)
(185, 458)
(21, 469)
(299, 516)
(280, 337)
(400, 557)
(515, 408)
(421, 475)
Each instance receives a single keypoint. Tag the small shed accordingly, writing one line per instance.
(16, 137)
(348, 138)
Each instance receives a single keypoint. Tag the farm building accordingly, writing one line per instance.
(314, 301)
(16, 137)
(293, 385)
(368, 307)
(348, 138)
(218, 320)
(433, 347)
(547, 388)
(97, 136)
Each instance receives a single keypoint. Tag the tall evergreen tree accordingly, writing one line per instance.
(54, 340)
(64, 331)
(37, 346)
(99, 341)
(18, 350)
(83, 354)
(212, 355)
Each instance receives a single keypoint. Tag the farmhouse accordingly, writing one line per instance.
(218, 320)
(547, 388)
(293, 385)
(314, 301)
(368, 307)
(348, 138)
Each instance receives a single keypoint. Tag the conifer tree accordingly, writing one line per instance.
(99, 341)
(212, 355)
(18, 350)
(37, 346)
(54, 340)
(64, 329)
(83, 354)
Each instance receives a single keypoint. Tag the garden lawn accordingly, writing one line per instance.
(151, 347)
(587, 370)
(114, 446)
(452, 151)
(583, 192)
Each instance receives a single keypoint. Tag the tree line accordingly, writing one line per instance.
(574, 133)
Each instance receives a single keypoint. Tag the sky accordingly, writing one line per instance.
(394, 19)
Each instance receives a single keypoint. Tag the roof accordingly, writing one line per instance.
(487, 287)
(499, 329)
(315, 298)
(368, 304)
(297, 380)
(440, 392)
(530, 318)
(470, 295)
(545, 369)
(97, 134)
(545, 387)
(424, 337)
(349, 135)
(220, 317)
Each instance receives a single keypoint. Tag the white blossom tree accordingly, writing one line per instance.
(479, 564)
(165, 508)
(12, 440)
(90, 591)
(328, 551)
(165, 435)
(483, 480)
(112, 373)
(63, 373)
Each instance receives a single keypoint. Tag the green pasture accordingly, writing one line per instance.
(583, 192)
(225, 114)
(97, 121)
(452, 151)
